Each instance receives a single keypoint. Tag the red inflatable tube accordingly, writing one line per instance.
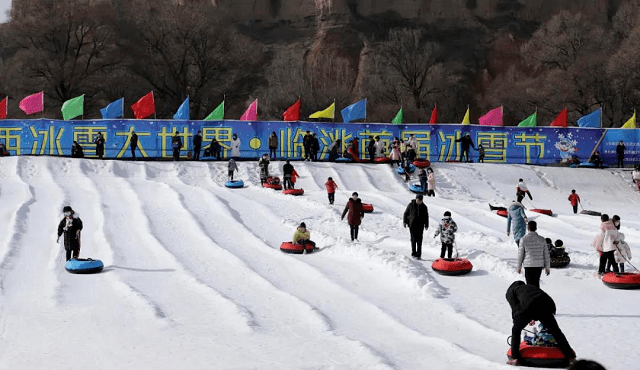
(543, 211)
(625, 280)
(273, 183)
(367, 208)
(452, 266)
(294, 191)
(421, 163)
(382, 159)
(502, 212)
(288, 247)
(540, 356)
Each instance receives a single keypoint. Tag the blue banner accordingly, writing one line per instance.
(533, 145)
(631, 141)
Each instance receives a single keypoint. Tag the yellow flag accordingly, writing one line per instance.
(631, 123)
(465, 120)
(327, 113)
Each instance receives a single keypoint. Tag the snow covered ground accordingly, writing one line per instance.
(194, 278)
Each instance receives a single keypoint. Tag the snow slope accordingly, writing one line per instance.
(194, 278)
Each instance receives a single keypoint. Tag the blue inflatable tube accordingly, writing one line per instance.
(412, 169)
(235, 184)
(344, 160)
(83, 266)
(591, 165)
(416, 188)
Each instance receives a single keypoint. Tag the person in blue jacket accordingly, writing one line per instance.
(516, 216)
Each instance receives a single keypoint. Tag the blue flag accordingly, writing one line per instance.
(592, 119)
(113, 110)
(355, 111)
(183, 111)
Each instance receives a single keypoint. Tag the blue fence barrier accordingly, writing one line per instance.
(437, 143)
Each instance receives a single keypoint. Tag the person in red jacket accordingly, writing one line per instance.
(574, 199)
(356, 213)
(331, 189)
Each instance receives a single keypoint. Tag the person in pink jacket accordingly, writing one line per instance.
(604, 243)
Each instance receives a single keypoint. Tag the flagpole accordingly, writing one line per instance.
(365, 110)
(333, 119)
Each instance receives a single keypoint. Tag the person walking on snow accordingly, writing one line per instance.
(574, 199)
(431, 183)
(331, 189)
(294, 177)
(465, 142)
(235, 146)
(480, 153)
(232, 166)
(522, 190)
(422, 176)
(287, 171)
(356, 213)
(197, 144)
(416, 217)
(620, 153)
(447, 229)
(516, 215)
(533, 255)
(263, 164)
(530, 303)
(70, 226)
(604, 244)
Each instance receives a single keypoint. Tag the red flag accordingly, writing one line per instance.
(293, 112)
(3, 107)
(434, 116)
(561, 119)
(144, 107)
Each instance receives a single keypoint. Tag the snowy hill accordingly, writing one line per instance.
(194, 278)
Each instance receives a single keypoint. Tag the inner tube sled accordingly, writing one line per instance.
(592, 165)
(412, 169)
(293, 191)
(543, 211)
(623, 280)
(452, 266)
(416, 188)
(559, 262)
(344, 160)
(273, 183)
(502, 212)
(288, 247)
(381, 159)
(83, 266)
(367, 208)
(234, 184)
(590, 213)
(422, 163)
(540, 356)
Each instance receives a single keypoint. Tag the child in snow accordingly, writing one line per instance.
(574, 199)
(521, 190)
(431, 183)
(622, 253)
(447, 230)
(331, 189)
(294, 177)
(302, 235)
(232, 167)
(480, 153)
(422, 175)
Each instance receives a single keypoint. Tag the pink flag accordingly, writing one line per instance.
(251, 114)
(33, 103)
(492, 118)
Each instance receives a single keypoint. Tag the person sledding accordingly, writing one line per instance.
(447, 230)
(287, 171)
(302, 237)
(530, 303)
(232, 166)
(522, 190)
(70, 226)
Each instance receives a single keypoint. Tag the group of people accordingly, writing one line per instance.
(610, 245)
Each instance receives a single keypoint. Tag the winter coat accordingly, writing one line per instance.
(516, 215)
(176, 142)
(300, 236)
(264, 168)
(623, 251)
(315, 144)
(294, 176)
(422, 176)
(331, 186)
(603, 242)
(197, 141)
(354, 207)
(287, 169)
(529, 301)
(522, 186)
(355, 147)
(574, 199)
(333, 150)
(214, 147)
(134, 141)
(636, 175)
(411, 154)
(273, 142)
(431, 181)
(413, 142)
(232, 165)
(235, 147)
(71, 232)
(395, 153)
(620, 150)
(416, 216)
(465, 142)
(533, 251)
(446, 230)
(76, 151)
(379, 149)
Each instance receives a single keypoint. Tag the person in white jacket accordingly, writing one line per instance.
(622, 252)
(533, 255)
(235, 146)
(522, 190)
(636, 177)
(604, 243)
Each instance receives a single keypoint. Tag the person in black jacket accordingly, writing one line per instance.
(134, 144)
(465, 142)
(214, 149)
(371, 148)
(416, 216)
(70, 226)
(176, 144)
(315, 147)
(76, 150)
(530, 303)
(306, 144)
(287, 170)
(99, 141)
(620, 152)
(197, 144)
(334, 150)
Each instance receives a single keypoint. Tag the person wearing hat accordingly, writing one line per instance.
(197, 144)
(447, 231)
(176, 144)
(356, 213)
(70, 226)
(302, 236)
(287, 172)
(416, 216)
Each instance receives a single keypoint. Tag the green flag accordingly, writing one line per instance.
(73, 108)
(398, 118)
(217, 114)
(529, 121)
